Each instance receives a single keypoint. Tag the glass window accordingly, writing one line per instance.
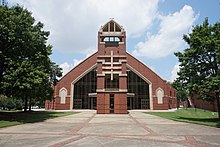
(82, 88)
(140, 88)
(111, 39)
(117, 39)
(111, 83)
(106, 39)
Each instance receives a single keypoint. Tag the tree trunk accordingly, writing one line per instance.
(218, 104)
(30, 104)
(25, 104)
(1, 67)
(177, 103)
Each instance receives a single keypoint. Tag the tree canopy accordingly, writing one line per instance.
(200, 63)
(26, 70)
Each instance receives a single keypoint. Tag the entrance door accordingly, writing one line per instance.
(111, 103)
(130, 103)
(145, 104)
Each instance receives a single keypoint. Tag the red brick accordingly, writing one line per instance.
(120, 98)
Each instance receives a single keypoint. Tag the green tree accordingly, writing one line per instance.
(181, 91)
(26, 70)
(200, 63)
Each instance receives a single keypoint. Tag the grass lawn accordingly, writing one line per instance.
(198, 116)
(11, 118)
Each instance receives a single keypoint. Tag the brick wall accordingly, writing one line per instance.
(198, 103)
(157, 82)
(169, 100)
(66, 81)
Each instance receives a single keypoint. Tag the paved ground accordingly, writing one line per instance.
(90, 129)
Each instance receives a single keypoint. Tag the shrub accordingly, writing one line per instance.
(3, 102)
(8, 103)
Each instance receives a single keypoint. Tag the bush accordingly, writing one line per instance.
(3, 102)
(19, 104)
(8, 103)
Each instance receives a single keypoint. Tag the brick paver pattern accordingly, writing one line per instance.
(90, 129)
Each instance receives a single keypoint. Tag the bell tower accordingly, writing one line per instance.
(111, 69)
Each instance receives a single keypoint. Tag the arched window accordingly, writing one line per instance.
(63, 94)
(160, 95)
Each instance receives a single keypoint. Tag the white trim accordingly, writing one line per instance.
(139, 74)
(112, 65)
(112, 34)
(115, 63)
(92, 94)
(151, 99)
(130, 94)
(120, 56)
(159, 99)
(100, 90)
(123, 75)
(115, 67)
(109, 72)
(100, 75)
(104, 56)
(78, 78)
(114, 31)
(107, 67)
(123, 90)
(59, 95)
(108, 27)
(101, 60)
(71, 98)
(121, 43)
(122, 60)
(113, 90)
(109, 63)
(63, 99)
(84, 73)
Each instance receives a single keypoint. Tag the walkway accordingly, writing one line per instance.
(90, 129)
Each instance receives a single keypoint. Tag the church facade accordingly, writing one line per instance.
(111, 80)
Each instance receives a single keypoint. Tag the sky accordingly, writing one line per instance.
(154, 28)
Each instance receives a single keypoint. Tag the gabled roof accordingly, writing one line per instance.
(91, 61)
(111, 27)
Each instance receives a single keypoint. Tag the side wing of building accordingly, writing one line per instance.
(63, 91)
(162, 94)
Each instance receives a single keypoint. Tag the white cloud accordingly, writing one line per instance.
(74, 24)
(76, 62)
(68, 66)
(89, 51)
(65, 67)
(174, 71)
(169, 38)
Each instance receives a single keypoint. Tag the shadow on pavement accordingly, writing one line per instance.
(213, 120)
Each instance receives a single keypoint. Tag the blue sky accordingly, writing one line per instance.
(154, 27)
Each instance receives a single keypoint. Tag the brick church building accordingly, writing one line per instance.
(111, 80)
